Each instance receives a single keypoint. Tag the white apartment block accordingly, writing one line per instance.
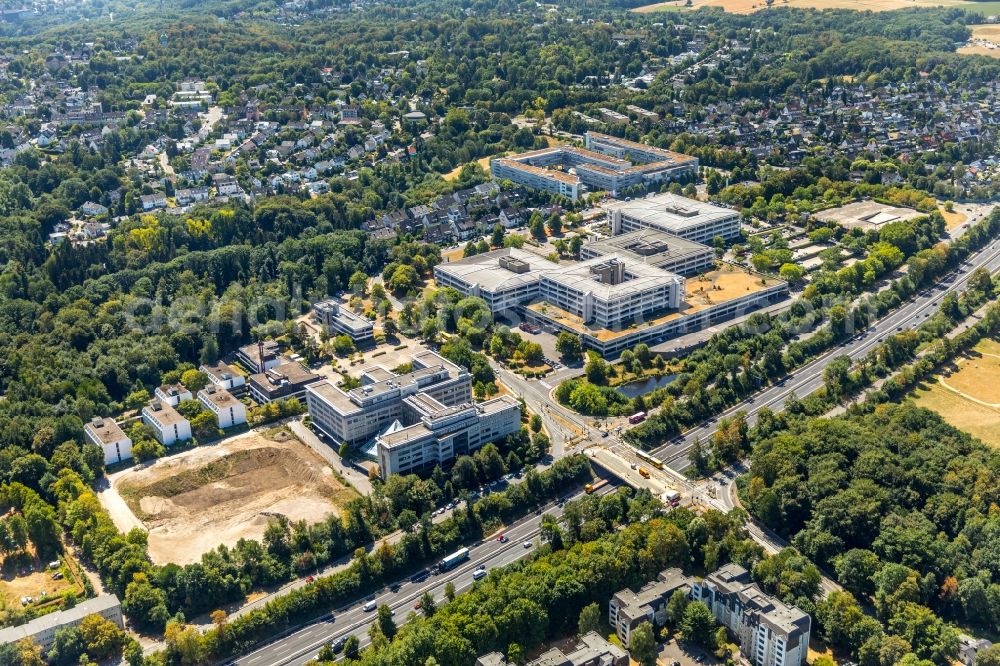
(42, 630)
(224, 377)
(172, 394)
(769, 631)
(169, 427)
(105, 433)
(688, 218)
(228, 410)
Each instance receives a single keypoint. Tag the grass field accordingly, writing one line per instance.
(953, 219)
(750, 6)
(457, 171)
(968, 396)
(985, 40)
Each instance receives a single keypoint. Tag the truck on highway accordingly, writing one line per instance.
(453, 560)
(596, 485)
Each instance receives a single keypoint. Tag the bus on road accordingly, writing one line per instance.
(453, 560)
(638, 417)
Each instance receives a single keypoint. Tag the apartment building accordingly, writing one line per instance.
(288, 380)
(169, 427)
(228, 410)
(225, 377)
(628, 609)
(676, 215)
(770, 632)
(172, 394)
(105, 433)
(655, 248)
(338, 320)
(591, 650)
(537, 178)
(416, 420)
(505, 278)
(42, 630)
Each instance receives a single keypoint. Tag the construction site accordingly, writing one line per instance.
(192, 502)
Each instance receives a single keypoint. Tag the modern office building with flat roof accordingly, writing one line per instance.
(606, 163)
(610, 292)
(339, 320)
(503, 278)
(417, 419)
(688, 218)
(655, 248)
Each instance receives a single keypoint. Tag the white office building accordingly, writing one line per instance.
(105, 433)
(338, 320)
(169, 427)
(417, 419)
(611, 293)
(688, 218)
(225, 377)
(503, 278)
(228, 410)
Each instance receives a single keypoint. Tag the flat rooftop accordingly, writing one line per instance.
(670, 212)
(486, 270)
(640, 277)
(712, 288)
(867, 214)
(164, 413)
(649, 246)
(106, 430)
(663, 154)
(218, 396)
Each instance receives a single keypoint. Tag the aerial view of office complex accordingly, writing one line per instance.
(464, 333)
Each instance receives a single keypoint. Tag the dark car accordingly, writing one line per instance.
(420, 576)
(338, 644)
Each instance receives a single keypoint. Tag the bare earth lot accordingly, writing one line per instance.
(969, 397)
(194, 501)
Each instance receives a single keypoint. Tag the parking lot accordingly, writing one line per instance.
(673, 653)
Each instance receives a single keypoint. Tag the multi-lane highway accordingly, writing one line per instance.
(302, 645)
(806, 379)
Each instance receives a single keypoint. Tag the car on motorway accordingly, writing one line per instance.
(394, 587)
(479, 573)
(369, 606)
(418, 605)
(526, 544)
(339, 644)
(503, 538)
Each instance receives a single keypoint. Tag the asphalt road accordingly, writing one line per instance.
(806, 379)
(302, 645)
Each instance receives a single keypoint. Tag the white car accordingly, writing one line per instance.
(526, 544)
(370, 606)
(479, 573)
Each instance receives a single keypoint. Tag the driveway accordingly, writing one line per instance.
(353, 475)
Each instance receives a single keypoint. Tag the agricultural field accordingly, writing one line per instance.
(968, 396)
(750, 6)
(194, 501)
(985, 41)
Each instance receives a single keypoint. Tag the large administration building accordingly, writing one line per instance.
(607, 163)
(417, 420)
(627, 288)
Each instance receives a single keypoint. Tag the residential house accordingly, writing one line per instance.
(228, 410)
(105, 433)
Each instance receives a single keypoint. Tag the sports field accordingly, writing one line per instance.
(968, 396)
